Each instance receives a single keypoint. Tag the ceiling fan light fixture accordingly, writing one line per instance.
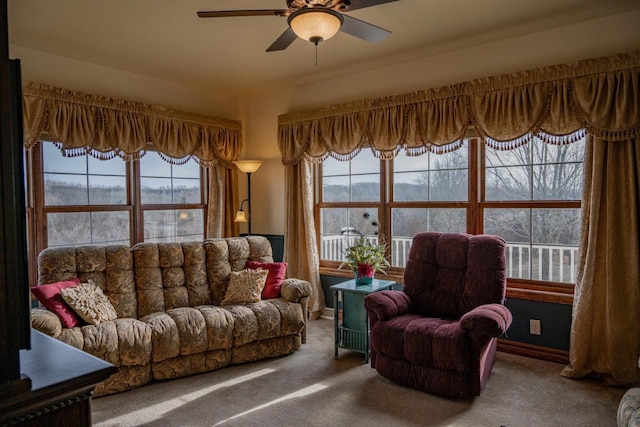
(315, 24)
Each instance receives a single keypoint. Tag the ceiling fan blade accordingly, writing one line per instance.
(363, 30)
(257, 12)
(283, 41)
(361, 4)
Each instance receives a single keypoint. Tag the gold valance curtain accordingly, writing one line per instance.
(553, 103)
(104, 127)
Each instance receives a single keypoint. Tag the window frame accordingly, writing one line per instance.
(476, 204)
(37, 211)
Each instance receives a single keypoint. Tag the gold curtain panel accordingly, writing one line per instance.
(553, 103)
(81, 124)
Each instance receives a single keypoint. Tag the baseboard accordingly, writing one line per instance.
(534, 351)
(327, 313)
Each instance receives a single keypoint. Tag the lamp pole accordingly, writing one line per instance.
(249, 201)
(248, 167)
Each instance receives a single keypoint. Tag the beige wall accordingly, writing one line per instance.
(54, 70)
(259, 114)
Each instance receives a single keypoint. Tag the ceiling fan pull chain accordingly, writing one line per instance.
(316, 43)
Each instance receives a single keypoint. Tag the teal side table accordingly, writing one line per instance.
(352, 332)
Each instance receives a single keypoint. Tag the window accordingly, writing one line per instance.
(351, 190)
(530, 196)
(85, 201)
(430, 193)
(171, 199)
(532, 199)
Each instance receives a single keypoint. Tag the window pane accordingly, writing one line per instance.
(165, 183)
(151, 164)
(561, 181)
(535, 171)
(508, 183)
(110, 228)
(107, 190)
(542, 244)
(115, 166)
(448, 185)
(331, 167)
(410, 186)
(186, 191)
(88, 228)
(335, 188)
(340, 226)
(54, 161)
(173, 225)
(516, 157)
(555, 244)
(188, 170)
(69, 228)
(431, 177)
(558, 171)
(365, 162)
(365, 188)
(407, 222)
(66, 179)
(155, 190)
(514, 226)
(64, 189)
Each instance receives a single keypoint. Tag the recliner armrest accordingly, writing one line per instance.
(388, 304)
(491, 320)
(46, 322)
(295, 290)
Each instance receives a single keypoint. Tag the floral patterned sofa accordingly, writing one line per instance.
(167, 296)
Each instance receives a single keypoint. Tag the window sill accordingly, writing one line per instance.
(517, 289)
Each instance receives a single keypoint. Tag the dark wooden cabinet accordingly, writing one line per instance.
(62, 380)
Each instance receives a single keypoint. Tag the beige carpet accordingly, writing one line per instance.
(312, 388)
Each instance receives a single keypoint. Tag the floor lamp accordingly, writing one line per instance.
(248, 167)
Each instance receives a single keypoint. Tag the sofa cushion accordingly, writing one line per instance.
(424, 341)
(49, 296)
(277, 272)
(245, 287)
(88, 301)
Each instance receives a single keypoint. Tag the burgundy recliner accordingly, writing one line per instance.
(439, 334)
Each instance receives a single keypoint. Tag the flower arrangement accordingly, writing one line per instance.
(363, 256)
(366, 256)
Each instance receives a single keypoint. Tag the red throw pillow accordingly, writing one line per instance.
(277, 271)
(49, 296)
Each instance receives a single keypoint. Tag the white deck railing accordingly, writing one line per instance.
(555, 263)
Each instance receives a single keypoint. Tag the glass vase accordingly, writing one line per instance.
(362, 280)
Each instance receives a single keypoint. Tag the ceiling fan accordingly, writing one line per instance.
(315, 20)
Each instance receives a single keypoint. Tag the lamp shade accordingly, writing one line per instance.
(240, 217)
(315, 24)
(248, 166)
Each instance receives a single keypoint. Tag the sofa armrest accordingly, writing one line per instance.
(46, 322)
(388, 304)
(295, 290)
(491, 320)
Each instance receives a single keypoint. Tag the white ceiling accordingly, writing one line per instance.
(165, 39)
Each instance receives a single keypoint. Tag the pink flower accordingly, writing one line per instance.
(365, 270)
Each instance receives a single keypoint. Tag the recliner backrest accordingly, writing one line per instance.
(449, 274)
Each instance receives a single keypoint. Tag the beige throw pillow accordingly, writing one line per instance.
(245, 287)
(89, 302)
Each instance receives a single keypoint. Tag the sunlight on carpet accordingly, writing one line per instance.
(300, 393)
(161, 408)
